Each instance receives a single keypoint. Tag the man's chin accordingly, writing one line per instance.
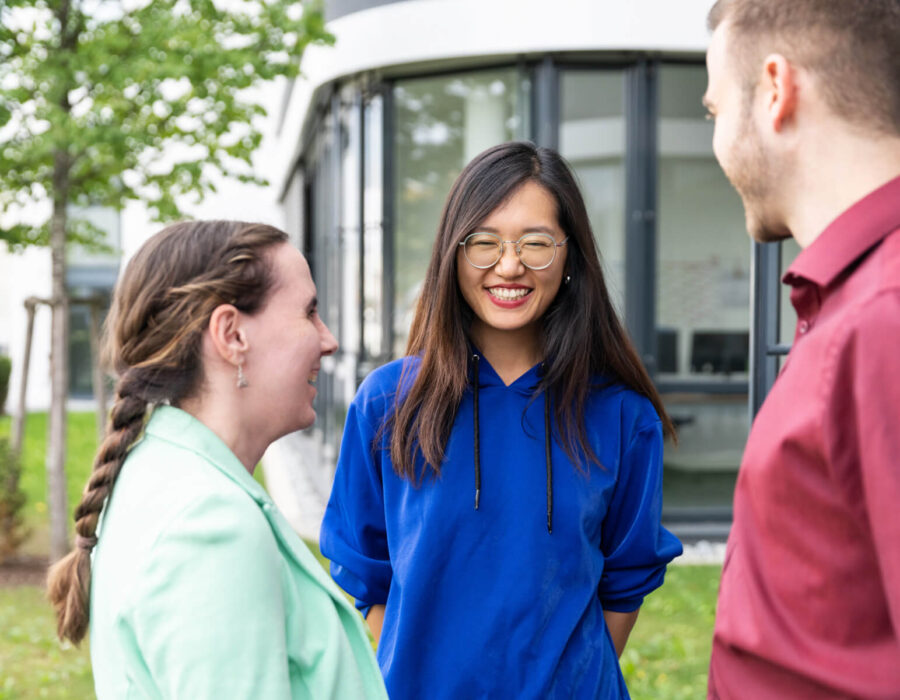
(763, 231)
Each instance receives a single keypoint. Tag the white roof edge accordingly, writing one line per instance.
(421, 31)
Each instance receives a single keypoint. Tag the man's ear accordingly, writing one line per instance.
(227, 333)
(779, 88)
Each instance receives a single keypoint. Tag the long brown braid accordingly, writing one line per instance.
(160, 308)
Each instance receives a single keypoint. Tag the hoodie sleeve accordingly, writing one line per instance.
(353, 535)
(635, 545)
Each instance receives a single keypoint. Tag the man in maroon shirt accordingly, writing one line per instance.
(806, 98)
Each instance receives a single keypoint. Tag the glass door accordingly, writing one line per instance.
(702, 304)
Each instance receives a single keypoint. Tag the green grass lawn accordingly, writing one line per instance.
(33, 663)
(668, 653)
(666, 657)
(81, 438)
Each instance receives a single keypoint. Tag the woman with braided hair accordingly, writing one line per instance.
(193, 584)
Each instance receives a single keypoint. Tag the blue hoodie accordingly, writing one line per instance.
(489, 603)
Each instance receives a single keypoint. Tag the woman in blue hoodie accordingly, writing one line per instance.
(496, 506)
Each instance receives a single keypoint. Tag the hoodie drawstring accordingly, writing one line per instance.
(549, 462)
(547, 449)
(477, 441)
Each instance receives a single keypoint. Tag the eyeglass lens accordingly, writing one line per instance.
(535, 250)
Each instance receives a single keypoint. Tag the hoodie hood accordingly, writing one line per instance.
(484, 376)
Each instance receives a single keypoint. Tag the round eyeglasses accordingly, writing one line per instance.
(536, 251)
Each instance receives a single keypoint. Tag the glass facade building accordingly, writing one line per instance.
(377, 156)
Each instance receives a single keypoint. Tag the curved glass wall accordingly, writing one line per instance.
(592, 139)
(702, 301)
(440, 124)
(380, 162)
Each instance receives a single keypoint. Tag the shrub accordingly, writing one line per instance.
(12, 499)
(5, 368)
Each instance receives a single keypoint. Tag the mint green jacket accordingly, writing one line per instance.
(201, 589)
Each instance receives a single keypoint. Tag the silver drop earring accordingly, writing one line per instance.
(241, 379)
(568, 279)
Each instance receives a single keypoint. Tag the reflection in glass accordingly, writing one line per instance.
(440, 125)
(81, 367)
(325, 263)
(592, 139)
(373, 232)
(703, 300)
(348, 260)
(789, 252)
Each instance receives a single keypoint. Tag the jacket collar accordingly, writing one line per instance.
(181, 428)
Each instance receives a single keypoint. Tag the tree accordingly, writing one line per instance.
(94, 94)
(12, 500)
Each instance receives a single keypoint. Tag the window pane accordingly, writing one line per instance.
(373, 233)
(440, 125)
(81, 367)
(592, 139)
(789, 252)
(348, 255)
(325, 258)
(703, 300)
(293, 209)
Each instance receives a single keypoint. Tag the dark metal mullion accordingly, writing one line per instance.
(735, 387)
(764, 313)
(545, 109)
(641, 166)
(387, 218)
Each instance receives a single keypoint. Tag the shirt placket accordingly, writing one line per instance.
(806, 300)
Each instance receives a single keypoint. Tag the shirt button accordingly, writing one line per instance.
(804, 326)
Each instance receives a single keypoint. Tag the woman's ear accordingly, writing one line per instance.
(227, 333)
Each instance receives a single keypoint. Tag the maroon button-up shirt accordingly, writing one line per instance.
(809, 605)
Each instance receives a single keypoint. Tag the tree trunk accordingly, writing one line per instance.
(59, 363)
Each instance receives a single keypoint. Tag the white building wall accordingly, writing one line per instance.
(23, 275)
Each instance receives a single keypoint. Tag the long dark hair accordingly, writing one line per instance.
(160, 309)
(583, 340)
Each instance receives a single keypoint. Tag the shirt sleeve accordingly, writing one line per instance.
(353, 535)
(636, 547)
(208, 618)
(862, 426)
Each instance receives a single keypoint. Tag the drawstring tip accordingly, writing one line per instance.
(549, 528)
(477, 497)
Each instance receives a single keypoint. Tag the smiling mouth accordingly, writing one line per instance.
(509, 294)
(311, 379)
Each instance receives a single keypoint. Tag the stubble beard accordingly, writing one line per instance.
(757, 179)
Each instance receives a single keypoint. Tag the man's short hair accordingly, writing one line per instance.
(851, 46)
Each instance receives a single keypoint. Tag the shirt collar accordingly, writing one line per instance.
(851, 234)
(181, 428)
